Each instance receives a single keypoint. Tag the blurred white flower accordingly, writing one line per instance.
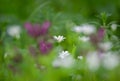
(85, 28)
(64, 54)
(63, 60)
(66, 62)
(114, 27)
(80, 57)
(110, 61)
(84, 38)
(77, 29)
(88, 29)
(93, 61)
(105, 46)
(59, 38)
(14, 31)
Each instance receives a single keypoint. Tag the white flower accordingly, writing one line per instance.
(64, 54)
(64, 60)
(80, 57)
(59, 38)
(105, 46)
(114, 27)
(88, 29)
(77, 29)
(14, 31)
(93, 61)
(56, 63)
(110, 61)
(85, 28)
(84, 38)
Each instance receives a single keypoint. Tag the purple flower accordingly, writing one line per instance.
(97, 38)
(101, 33)
(36, 30)
(44, 28)
(44, 47)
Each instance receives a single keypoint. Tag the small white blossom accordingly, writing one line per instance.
(59, 38)
(64, 54)
(93, 61)
(67, 62)
(64, 60)
(110, 61)
(88, 29)
(77, 29)
(105, 46)
(56, 63)
(114, 27)
(80, 57)
(14, 31)
(85, 28)
(84, 38)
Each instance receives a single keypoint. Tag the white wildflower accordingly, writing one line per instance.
(80, 57)
(67, 62)
(64, 54)
(77, 29)
(88, 29)
(56, 63)
(85, 28)
(105, 46)
(63, 60)
(84, 38)
(110, 61)
(93, 61)
(14, 31)
(59, 38)
(114, 27)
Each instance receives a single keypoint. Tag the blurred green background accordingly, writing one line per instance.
(19, 11)
(87, 8)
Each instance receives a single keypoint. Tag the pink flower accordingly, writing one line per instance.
(36, 30)
(44, 47)
(101, 33)
(44, 28)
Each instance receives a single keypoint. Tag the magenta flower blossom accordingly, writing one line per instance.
(44, 28)
(44, 47)
(96, 38)
(101, 33)
(36, 30)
